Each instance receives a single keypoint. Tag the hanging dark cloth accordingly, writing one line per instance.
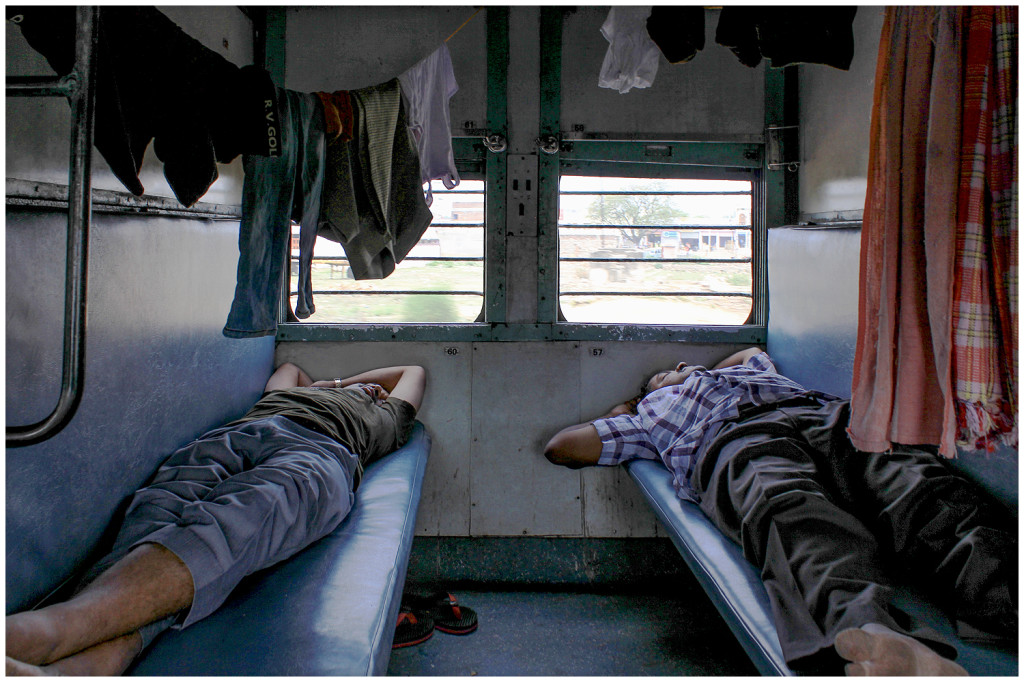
(677, 31)
(154, 82)
(783, 35)
(788, 35)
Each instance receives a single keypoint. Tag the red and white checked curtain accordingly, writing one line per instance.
(936, 359)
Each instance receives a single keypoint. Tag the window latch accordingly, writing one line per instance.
(548, 144)
(496, 143)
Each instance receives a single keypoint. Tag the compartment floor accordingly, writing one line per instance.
(550, 633)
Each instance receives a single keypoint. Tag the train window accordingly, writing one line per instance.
(441, 280)
(662, 251)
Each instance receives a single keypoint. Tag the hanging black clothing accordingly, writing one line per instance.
(677, 31)
(788, 35)
(154, 82)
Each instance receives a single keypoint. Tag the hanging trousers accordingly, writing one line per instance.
(833, 530)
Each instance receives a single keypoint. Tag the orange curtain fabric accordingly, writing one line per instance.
(907, 369)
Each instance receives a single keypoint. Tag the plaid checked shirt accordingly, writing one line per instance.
(671, 422)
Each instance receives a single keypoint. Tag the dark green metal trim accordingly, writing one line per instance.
(496, 165)
(548, 164)
(779, 192)
(719, 154)
(274, 44)
(780, 99)
(623, 169)
(564, 331)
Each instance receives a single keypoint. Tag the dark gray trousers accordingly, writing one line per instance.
(833, 530)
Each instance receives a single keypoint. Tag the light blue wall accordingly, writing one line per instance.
(158, 371)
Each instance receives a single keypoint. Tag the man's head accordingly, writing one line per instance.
(669, 377)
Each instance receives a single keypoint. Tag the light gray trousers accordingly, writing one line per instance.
(234, 501)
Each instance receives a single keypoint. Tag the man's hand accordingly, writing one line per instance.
(628, 407)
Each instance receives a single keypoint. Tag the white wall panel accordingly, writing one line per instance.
(522, 394)
(491, 408)
(712, 95)
(835, 124)
(345, 47)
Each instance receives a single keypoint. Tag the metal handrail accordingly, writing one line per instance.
(79, 88)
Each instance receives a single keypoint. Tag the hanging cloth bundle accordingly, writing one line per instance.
(156, 83)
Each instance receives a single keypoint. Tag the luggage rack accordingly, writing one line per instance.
(78, 87)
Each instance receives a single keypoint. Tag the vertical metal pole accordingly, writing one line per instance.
(549, 164)
(495, 277)
(83, 102)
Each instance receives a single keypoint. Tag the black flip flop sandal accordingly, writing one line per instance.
(412, 628)
(449, 616)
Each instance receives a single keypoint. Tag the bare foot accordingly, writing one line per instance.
(19, 669)
(874, 649)
(31, 637)
(106, 659)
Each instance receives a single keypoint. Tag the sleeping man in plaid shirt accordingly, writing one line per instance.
(770, 463)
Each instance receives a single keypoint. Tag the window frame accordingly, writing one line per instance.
(773, 203)
(570, 165)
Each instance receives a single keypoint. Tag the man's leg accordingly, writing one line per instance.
(106, 659)
(148, 584)
(946, 535)
(236, 502)
(822, 568)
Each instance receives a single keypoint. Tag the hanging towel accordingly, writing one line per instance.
(379, 106)
(427, 88)
(632, 57)
(154, 82)
(899, 373)
(376, 221)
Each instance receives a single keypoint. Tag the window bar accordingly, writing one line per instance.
(630, 193)
(394, 292)
(657, 293)
(655, 260)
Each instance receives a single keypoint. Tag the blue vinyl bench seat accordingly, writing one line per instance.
(735, 588)
(328, 610)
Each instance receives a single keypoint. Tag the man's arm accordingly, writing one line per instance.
(738, 358)
(287, 376)
(407, 382)
(580, 445)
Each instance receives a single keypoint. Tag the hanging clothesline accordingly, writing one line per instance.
(463, 24)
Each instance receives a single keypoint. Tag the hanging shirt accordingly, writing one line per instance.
(671, 422)
(427, 88)
(632, 57)
(373, 203)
